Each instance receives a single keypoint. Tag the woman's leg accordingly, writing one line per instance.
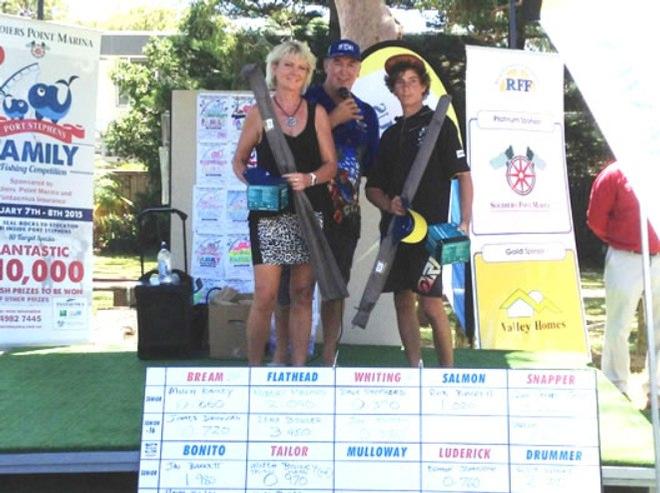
(300, 315)
(266, 282)
(281, 353)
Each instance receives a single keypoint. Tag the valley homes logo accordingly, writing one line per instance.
(32, 106)
(532, 311)
(520, 169)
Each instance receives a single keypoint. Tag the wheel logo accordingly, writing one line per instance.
(520, 175)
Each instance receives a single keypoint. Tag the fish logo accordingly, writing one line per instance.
(45, 101)
(14, 108)
(41, 106)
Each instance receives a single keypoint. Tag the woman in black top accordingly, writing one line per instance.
(276, 237)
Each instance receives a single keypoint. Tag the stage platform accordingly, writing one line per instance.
(73, 410)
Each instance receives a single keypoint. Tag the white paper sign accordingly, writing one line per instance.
(380, 430)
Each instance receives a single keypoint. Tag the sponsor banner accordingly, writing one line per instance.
(526, 301)
(526, 278)
(48, 82)
(616, 78)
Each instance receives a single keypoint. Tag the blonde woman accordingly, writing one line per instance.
(276, 237)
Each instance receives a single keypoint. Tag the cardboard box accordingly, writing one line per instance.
(267, 197)
(447, 244)
(227, 322)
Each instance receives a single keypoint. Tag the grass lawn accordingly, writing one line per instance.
(116, 268)
(124, 267)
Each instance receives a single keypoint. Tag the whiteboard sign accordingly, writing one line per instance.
(355, 430)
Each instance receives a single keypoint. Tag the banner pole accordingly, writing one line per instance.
(650, 337)
(513, 35)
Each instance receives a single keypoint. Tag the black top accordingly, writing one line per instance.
(396, 153)
(307, 156)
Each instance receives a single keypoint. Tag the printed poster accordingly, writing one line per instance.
(208, 256)
(209, 207)
(48, 82)
(238, 261)
(525, 275)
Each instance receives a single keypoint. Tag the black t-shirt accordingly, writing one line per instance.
(396, 153)
(307, 156)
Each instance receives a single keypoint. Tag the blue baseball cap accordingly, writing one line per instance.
(344, 47)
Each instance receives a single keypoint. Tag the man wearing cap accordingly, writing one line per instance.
(413, 270)
(355, 131)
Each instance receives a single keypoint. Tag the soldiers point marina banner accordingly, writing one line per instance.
(526, 278)
(48, 82)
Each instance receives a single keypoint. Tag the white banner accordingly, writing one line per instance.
(48, 82)
(526, 280)
(611, 59)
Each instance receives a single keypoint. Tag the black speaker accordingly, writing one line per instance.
(165, 318)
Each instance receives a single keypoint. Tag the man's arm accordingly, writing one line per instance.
(383, 201)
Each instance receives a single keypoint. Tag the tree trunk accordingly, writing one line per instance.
(333, 25)
(367, 22)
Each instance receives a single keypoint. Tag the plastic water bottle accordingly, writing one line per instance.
(164, 264)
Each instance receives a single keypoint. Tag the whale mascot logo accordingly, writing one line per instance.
(14, 108)
(44, 99)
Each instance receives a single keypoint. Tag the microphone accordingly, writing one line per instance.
(344, 93)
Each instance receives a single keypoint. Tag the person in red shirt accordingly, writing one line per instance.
(613, 215)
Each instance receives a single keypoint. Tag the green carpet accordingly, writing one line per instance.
(67, 399)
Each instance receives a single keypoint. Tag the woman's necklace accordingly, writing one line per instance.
(291, 119)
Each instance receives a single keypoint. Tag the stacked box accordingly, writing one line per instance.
(267, 197)
(447, 244)
(227, 324)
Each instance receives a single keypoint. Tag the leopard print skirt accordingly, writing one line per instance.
(278, 240)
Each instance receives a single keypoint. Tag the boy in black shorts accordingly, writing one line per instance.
(414, 271)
